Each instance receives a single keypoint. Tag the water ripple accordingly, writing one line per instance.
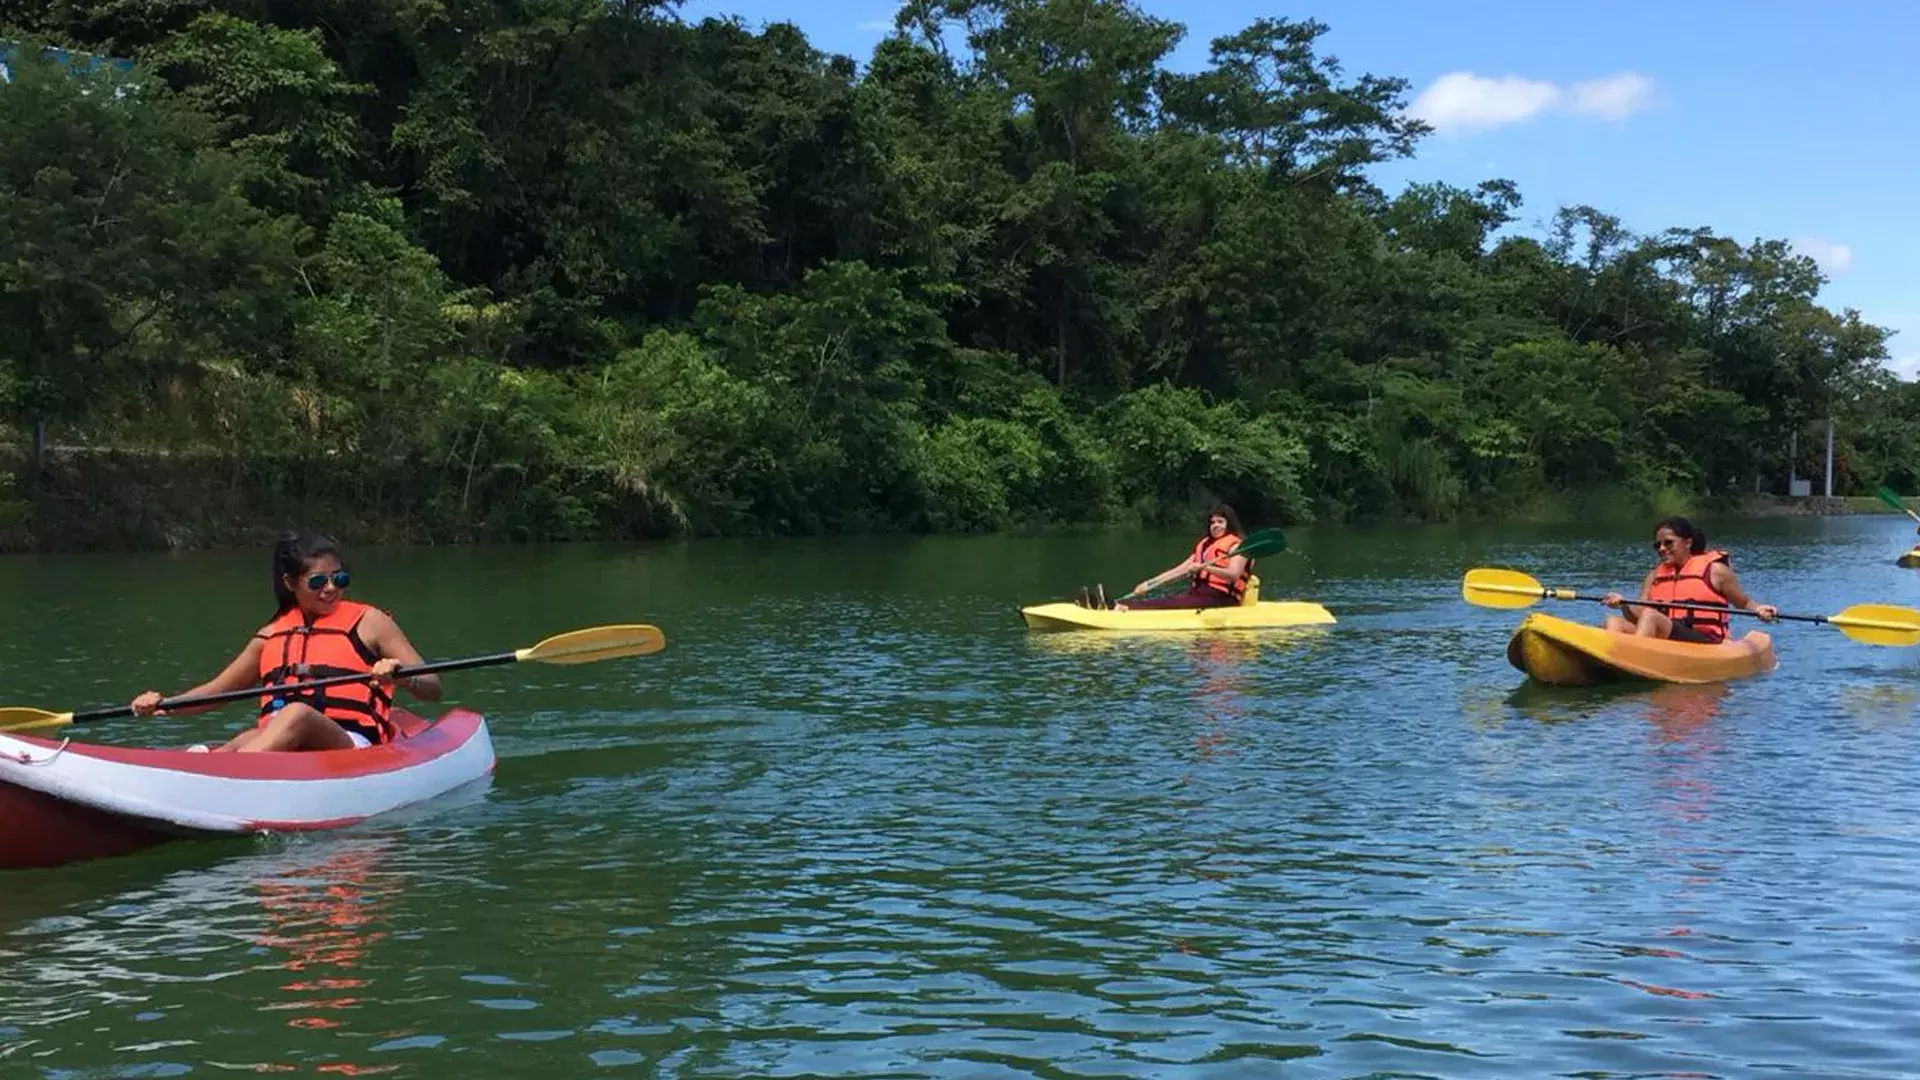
(869, 826)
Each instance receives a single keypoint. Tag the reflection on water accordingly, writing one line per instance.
(857, 821)
(1678, 711)
(294, 924)
(1671, 708)
(323, 916)
(1881, 704)
(288, 929)
(1246, 644)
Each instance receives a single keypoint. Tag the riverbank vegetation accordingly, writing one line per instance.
(572, 268)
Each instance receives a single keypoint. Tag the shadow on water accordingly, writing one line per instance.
(1882, 705)
(27, 895)
(1663, 704)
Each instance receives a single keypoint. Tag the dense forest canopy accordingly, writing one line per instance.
(578, 267)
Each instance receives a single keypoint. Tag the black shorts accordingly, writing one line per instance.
(1682, 632)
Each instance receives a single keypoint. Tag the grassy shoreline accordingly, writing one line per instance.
(1812, 506)
(109, 500)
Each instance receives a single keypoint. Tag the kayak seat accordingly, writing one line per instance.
(1252, 595)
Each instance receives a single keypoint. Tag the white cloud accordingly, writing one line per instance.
(1460, 101)
(1463, 101)
(1613, 97)
(1833, 258)
(874, 26)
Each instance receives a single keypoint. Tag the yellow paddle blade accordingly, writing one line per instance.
(21, 718)
(596, 643)
(1500, 588)
(1879, 624)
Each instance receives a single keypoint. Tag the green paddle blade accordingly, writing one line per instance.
(1887, 496)
(1262, 542)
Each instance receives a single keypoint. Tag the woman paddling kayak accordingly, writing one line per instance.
(1219, 585)
(316, 633)
(1687, 573)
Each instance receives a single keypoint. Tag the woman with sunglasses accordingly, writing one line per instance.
(1686, 573)
(316, 633)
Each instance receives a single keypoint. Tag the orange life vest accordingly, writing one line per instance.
(295, 649)
(1210, 577)
(1693, 584)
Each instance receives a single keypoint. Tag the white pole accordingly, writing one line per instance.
(1829, 457)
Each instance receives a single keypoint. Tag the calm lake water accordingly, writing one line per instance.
(857, 821)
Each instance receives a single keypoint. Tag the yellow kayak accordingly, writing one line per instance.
(1910, 560)
(1566, 653)
(1262, 615)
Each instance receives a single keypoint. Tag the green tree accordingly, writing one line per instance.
(1276, 103)
(624, 273)
(285, 106)
(131, 246)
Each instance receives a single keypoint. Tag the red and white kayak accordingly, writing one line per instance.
(63, 802)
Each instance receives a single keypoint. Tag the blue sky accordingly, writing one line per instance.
(1772, 119)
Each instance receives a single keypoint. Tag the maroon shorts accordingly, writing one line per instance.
(1203, 598)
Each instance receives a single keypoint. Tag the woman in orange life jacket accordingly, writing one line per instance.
(1689, 573)
(316, 633)
(1219, 585)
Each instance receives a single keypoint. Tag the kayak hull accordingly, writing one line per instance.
(1265, 615)
(65, 802)
(1911, 560)
(1562, 653)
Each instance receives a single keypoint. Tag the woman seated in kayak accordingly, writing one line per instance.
(1686, 573)
(1221, 584)
(316, 633)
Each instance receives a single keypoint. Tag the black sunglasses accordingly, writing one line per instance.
(340, 579)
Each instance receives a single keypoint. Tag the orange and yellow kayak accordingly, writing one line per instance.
(1564, 653)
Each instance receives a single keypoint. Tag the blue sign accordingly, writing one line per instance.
(66, 58)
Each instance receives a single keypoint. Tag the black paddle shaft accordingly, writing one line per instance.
(314, 684)
(1695, 607)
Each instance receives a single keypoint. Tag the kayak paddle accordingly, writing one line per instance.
(1887, 496)
(1869, 624)
(1258, 543)
(573, 647)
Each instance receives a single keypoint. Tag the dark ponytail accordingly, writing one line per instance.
(291, 553)
(1695, 536)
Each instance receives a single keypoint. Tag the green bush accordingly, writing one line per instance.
(1172, 450)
